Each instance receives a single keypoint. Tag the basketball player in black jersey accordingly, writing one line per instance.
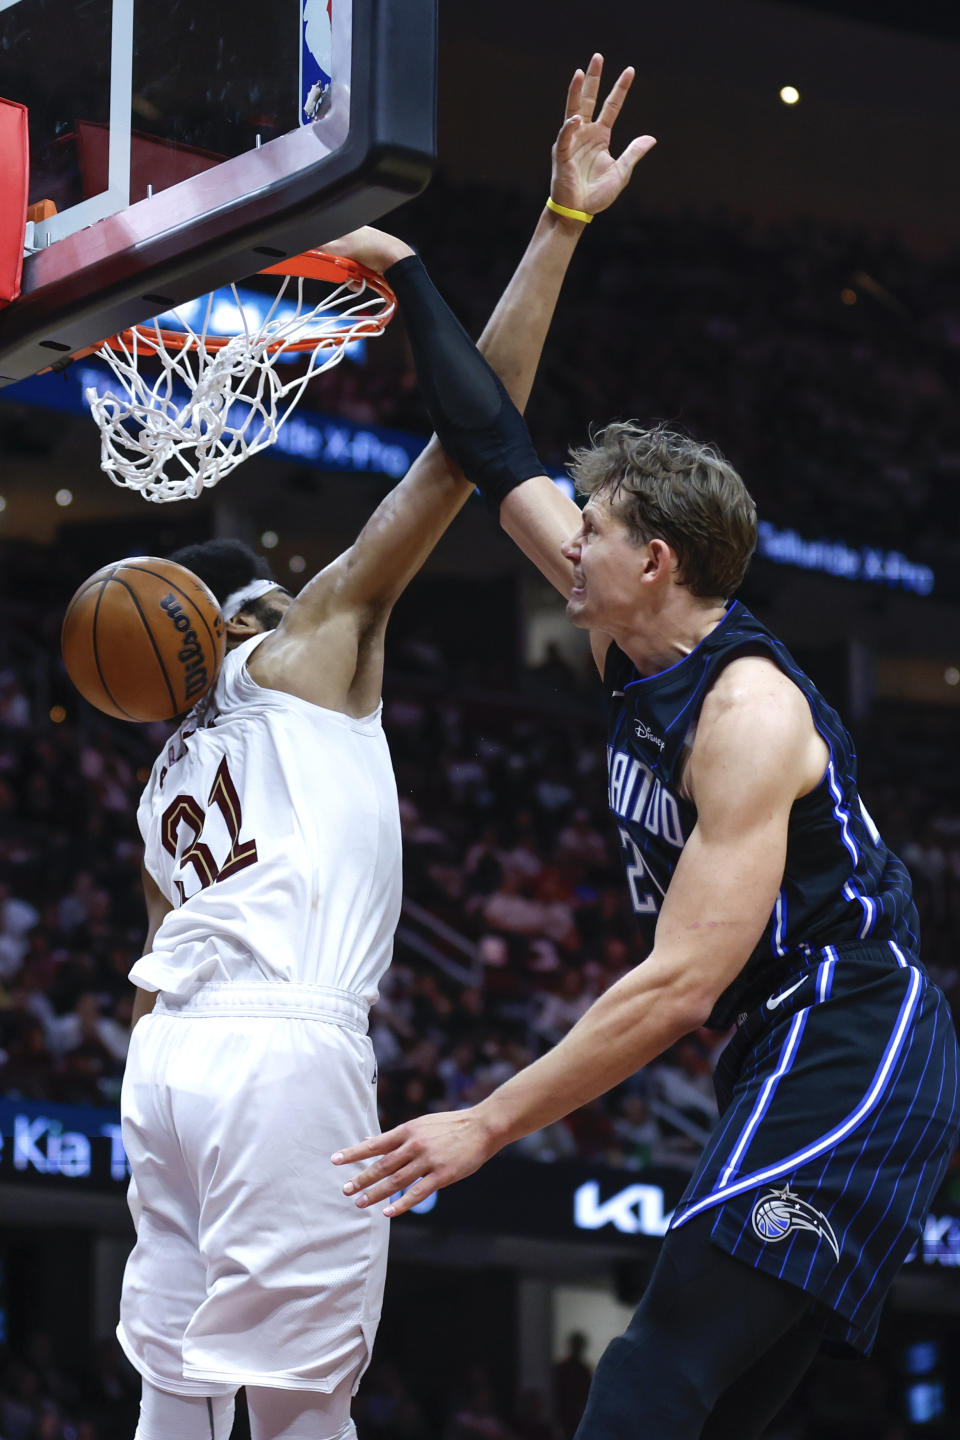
(771, 902)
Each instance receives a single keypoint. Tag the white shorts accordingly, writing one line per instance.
(251, 1266)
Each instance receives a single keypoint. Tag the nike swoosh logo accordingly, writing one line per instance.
(621, 693)
(779, 999)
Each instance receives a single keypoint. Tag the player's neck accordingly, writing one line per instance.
(661, 637)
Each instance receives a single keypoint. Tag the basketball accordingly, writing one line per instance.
(143, 639)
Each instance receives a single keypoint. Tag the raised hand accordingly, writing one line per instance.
(585, 175)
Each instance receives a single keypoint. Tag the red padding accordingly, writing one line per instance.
(14, 185)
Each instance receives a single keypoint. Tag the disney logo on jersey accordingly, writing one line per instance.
(643, 733)
(780, 1213)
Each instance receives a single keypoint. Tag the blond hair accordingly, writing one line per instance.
(663, 485)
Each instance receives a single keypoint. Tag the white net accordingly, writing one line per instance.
(213, 404)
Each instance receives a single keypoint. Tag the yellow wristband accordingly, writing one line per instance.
(565, 210)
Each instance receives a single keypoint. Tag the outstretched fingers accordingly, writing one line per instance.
(413, 1194)
(400, 1178)
(395, 1167)
(614, 101)
(401, 1169)
(591, 87)
(635, 151)
(393, 1146)
(574, 91)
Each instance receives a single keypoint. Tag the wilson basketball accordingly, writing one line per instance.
(143, 639)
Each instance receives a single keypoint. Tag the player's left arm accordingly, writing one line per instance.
(755, 752)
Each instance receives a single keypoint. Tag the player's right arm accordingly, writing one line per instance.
(756, 751)
(536, 515)
(158, 907)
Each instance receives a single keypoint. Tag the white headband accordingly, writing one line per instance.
(239, 599)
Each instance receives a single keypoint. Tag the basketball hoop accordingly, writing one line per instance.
(218, 398)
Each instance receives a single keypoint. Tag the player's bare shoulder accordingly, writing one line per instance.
(754, 713)
(318, 651)
(753, 683)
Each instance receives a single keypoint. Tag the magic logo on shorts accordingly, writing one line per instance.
(780, 1213)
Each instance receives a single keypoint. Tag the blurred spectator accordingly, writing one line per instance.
(531, 1422)
(478, 1417)
(17, 919)
(385, 1409)
(571, 1384)
(637, 1133)
(682, 1099)
(14, 705)
(560, 1010)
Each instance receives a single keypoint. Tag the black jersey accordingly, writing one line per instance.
(840, 882)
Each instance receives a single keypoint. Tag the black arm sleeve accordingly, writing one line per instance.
(476, 421)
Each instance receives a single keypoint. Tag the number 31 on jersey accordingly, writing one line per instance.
(185, 810)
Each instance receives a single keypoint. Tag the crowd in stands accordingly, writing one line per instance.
(48, 1395)
(837, 1401)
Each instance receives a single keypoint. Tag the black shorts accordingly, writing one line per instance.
(839, 1113)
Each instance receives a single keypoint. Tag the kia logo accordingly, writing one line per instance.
(636, 1210)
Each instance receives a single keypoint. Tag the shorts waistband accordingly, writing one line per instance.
(300, 1002)
(848, 962)
(882, 952)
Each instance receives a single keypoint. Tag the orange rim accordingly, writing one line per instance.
(311, 265)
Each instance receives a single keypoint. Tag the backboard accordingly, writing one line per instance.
(189, 143)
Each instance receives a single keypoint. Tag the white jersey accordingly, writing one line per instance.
(272, 826)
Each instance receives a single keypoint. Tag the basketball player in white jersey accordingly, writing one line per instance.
(272, 876)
